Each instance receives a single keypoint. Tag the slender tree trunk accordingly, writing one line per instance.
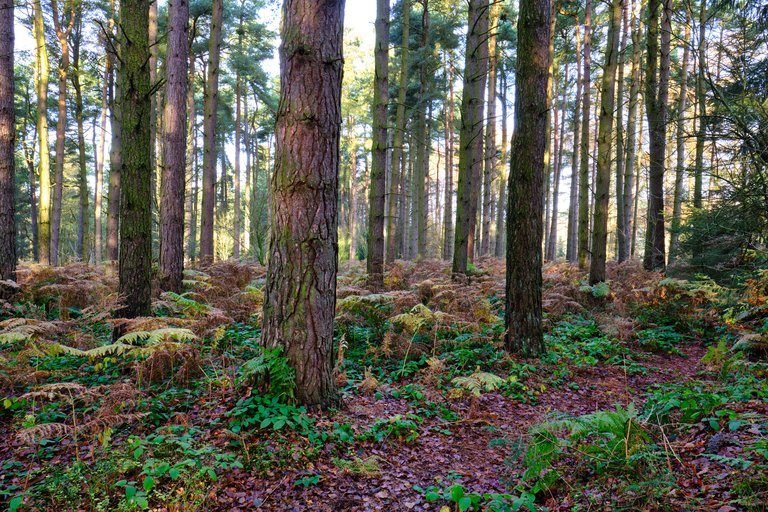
(471, 135)
(62, 34)
(209, 135)
(44, 169)
(174, 148)
(135, 269)
(524, 329)
(83, 246)
(551, 95)
(395, 198)
(677, 211)
(154, 119)
(238, 136)
(100, 158)
(377, 190)
(571, 252)
(7, 144)
(701, 101)
(352, 183)
(583, 228)
(501, 211)
(657, 90)
(626, 239)
(489, 170)
(604, 147)
(190, 220)
(422, 135)
(300, 293)
(448, 230)
(552, 244)
(620, 135)
(115, 161)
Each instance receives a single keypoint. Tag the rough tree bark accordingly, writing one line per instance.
(7, 144)
(174, 148)
(377, 190)
(586, 105)
(135, 259)
(115, 156)
(524, 333)
(449, 153)
(300, 293)
(489, 169)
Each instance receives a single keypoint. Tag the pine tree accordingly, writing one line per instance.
(7, 144)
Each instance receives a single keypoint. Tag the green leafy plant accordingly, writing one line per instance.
(270, 373)
(478, 382)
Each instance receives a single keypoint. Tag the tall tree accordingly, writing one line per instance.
(135, 259)
(7, 144)
(524, 333)
(701, 102)
(174, 147)
(63, 27)
(677, 207)
(82, 222)
(209, 134)
(620, 135)
(44, 166)
(395, 234)
(377, 190)
(449, 154)
(100, 154)
(501, 210)
(115, 150)
(571, 252)
(586, 107)
(551, 246)
(300, 293)
(489, 169)
(604, 147)
(471, 134)
(656, 94)
(421, 169)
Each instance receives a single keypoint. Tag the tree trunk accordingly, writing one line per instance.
(377, 190)
(421, 169)
(190, 219)
(501, 210)
(656, 94)
(701, 101)
(524, 329)
(115, 160)
(154, 118)
(583, 231)
(100, 154)
(489, 169)
(62, 34)
(552, 244)
(82, 224)
(551, 97)
(620, 135)
(677, 211)
(471, 135)
(571, 252)
(209, 135)
(236, 177)
(7, 144)
(449, 153)
(174, 148)
(626, 239)
(135, 268)
(396, 183)
(300, 293)
(44, 169)
(604, 148)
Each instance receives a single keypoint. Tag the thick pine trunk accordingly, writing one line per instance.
(7, 144)
(377, 189)
(174, 148)
(524, 333)
(586, 106)
(209, 135)
(604, 148)
(300, 293)
(135, 265)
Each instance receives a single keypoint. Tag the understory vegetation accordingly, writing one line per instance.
(652, 396)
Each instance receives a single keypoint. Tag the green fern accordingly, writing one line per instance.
(185, 305)
(13, 337)
(157, 336)
(478, 382)
(271, 373)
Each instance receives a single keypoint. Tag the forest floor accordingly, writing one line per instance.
(652, 396)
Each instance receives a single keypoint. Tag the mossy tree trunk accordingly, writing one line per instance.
(524, 333)
(300, 293)
(135, 265)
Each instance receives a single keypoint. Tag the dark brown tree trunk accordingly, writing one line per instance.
(209, 135)
(620, 135)
(701, 101)
(421, 169)
(471, 135)
(586, 106)
(190, 218)
(82, 224)
(174, 148)
(379, 149)
(7, 144)
(135, 268)
(300, 293)
(656, 94)
(501, 211)
(449, 153)
(524, 333)
(489, 169)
